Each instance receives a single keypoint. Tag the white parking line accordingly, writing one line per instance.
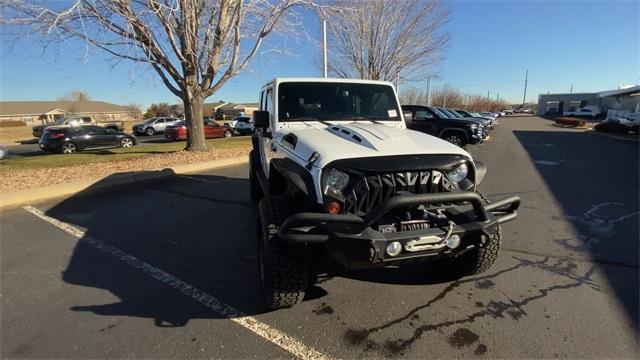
(286, 342)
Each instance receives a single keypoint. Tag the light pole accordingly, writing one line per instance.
(324, 45)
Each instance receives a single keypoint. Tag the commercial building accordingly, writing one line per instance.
(610, 103)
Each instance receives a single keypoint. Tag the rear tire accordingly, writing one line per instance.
(284, 267)
(68, 148)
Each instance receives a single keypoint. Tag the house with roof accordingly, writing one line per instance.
(611, 103)
(231, 110)
(45, 112)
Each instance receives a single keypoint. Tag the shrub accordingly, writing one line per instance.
(570, 121)
(12, 123)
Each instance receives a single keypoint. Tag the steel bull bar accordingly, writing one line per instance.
(499, 212)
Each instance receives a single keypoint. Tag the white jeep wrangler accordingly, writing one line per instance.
(337, 173)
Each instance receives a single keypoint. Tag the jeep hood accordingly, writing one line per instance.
(363, 140)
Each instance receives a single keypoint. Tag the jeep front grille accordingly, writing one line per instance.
(372, 190)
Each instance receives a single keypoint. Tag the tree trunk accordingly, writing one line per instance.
(195, 124)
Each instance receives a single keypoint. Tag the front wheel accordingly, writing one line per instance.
(456, 139)
(284, 267)
(150, 131)
(68, 148)
(254, 185)
(126, 143)
(228, 134)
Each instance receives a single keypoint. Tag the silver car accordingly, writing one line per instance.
(154, 125)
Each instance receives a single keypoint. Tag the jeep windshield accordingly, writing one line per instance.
(326, 101)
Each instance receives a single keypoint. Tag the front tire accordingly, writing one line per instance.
(228, 134)
(284, 267)
(455, 138)
(254, 185)
(150, 131)
(481, 258)
(126, 143)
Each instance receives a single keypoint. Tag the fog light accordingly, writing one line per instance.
(334, 207)
(453, 241)
(394, 248)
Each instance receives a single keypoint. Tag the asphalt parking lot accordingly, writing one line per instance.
(169, 270)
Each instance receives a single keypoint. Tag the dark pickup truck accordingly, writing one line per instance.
(435, 122)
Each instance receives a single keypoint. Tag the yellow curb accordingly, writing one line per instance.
(62, 191)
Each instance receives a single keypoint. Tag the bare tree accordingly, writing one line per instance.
(413, 96)
(379, 39)
(76, 96)
(195, 46)
(454, 98)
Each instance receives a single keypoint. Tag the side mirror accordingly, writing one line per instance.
(260, 119)
(408, 116)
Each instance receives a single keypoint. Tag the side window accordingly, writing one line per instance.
(269, 103)
(86, 120)
(96, 130)
(160, 121)
(421, 115)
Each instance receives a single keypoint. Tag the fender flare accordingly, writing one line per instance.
(288, 170)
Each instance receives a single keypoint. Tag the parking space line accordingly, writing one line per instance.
(275, 336)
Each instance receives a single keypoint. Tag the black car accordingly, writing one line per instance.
(433, 121)
(68, 140)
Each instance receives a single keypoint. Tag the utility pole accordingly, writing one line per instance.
(488, 100)
(571, 90)
(324, 45)
(444, 96)
(526, 79)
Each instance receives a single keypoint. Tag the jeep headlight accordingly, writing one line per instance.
(337, 180)
(459, 173)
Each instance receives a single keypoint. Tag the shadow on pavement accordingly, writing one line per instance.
(199, 229)
(595, 181)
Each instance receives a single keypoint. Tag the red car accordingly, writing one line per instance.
(178, 131)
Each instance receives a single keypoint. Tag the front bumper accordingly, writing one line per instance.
(470, 219)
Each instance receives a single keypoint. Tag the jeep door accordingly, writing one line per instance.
(269, 149)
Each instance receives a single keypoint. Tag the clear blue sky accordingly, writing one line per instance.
(592, 45)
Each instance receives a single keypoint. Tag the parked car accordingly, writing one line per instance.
(487, 124)
(507, 112)
(243, 126)
(3, 152)
(73, 120)
(154, 125)
(342, 177)
(432, 121)
(232, 123)
(469, 114)
(68, 140)
(178, 131)
(629, 119)
(587, 111)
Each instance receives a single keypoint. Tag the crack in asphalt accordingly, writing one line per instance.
(572, 258)
(494, 309)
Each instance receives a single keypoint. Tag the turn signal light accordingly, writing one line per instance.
(334, 207)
